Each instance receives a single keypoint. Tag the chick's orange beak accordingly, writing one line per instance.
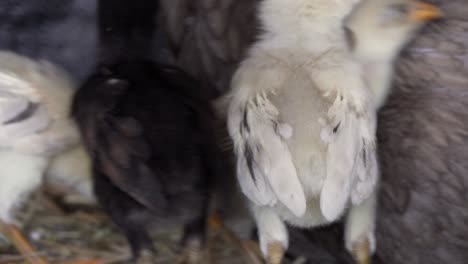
(425, 12)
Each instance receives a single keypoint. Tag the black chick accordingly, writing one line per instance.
(149, 130)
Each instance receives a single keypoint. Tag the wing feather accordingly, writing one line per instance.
(20, 118)
(341, 158)
(351, 153)
(11, 105)
(266, 172)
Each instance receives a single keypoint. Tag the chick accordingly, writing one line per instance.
(377, 30)
(149, 131)
(35, 126)
(422, 144)
(302, 121)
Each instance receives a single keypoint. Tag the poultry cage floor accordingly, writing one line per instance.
(66, 237)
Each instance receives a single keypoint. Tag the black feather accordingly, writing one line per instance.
(335, 129)
(27, 113)
(248, 155)
(149, 128)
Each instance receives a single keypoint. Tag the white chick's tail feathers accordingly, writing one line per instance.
(17, 128)
(341, 167)
(35, 99)
(351, 153)
(265, 169)
(367, 167)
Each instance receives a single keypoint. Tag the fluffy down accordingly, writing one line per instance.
(286, 64)
(69, 174)
(34, 103)
(150, 135)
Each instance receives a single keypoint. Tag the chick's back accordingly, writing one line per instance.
(153, 139)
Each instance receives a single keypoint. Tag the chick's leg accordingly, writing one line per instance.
(272, 233)
(359, 230)
(193, 242)
(21, 243)
(121, 209)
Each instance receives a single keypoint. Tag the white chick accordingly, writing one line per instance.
(377, 30)
(35, 99)
(302, 122)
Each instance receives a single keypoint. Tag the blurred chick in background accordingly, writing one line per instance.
(149, 131)
(35, 98)
(376, 32)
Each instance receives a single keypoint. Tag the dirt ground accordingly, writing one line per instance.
(64, 237)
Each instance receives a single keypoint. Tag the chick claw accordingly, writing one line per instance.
(361, 252)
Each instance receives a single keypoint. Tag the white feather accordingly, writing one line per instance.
(27, 143)
(12, 133)
(341, 169)
(11, 105)
(271, 177)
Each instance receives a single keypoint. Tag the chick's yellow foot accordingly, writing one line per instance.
(361, 251)
(275, 253)
(252, 252)
(26, 250)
